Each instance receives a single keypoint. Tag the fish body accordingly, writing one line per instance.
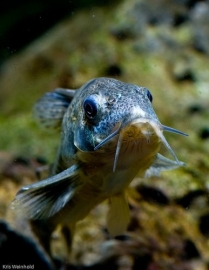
(110, 134)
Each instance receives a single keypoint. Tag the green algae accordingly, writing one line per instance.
(21, 137)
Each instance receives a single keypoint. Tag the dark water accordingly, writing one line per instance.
(23, 21)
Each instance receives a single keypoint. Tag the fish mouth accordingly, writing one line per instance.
(136, 129)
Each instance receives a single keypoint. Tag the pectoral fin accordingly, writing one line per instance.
(160, 164)
(118, 216)
(43, 199)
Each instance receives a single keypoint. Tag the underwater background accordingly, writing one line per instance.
(162, 45)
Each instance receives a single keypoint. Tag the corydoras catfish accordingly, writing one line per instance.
(109, 135)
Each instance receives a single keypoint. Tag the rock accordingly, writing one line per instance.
(17, 249)
(200, 21)
(204, 133)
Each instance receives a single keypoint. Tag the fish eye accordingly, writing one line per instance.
(149, 95)
(90, 107)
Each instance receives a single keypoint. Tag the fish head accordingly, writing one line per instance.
(109, 106)
(111, 116)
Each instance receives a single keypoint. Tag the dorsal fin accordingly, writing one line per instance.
(49, 110)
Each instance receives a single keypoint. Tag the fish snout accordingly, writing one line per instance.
(139, 128)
